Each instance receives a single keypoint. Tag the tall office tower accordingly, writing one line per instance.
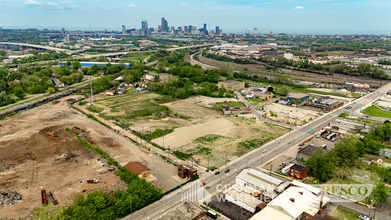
(142, 24)
(146, 24)
(212, 32)
(221, 32)
(159, 28)
(123, 29)
(63, 29)
(172, 30)
(255, 31)
(190, 28)
(217, 30)
(179, 29)
(271, 34)
(164, 25)
(204, 28)
(186, 29)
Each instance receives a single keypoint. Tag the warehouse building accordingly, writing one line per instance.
(323, 104)
(298, 97)
(139, 169)
(89, 64)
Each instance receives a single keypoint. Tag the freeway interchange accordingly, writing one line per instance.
(253, 159)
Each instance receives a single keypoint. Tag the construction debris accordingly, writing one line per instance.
(52, 198)
(92, 181)
(44, 198)
(9, 199)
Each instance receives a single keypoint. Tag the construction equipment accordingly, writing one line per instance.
(54, 200)
(44, 198)
(54, 134)
(92, 181)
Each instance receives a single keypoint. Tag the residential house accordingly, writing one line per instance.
(385, 152)
(298, 172)
(139, 169)
(379, 160)
(294, 203)
(163, 77)
(109, 92)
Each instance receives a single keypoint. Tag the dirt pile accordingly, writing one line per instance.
(9, 198)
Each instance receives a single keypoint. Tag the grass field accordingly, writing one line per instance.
(377, 112)
(136, 56)
(342, 214)
(257, 101)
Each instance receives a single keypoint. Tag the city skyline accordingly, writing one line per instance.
(286, 16)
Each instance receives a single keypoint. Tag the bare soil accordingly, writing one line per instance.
(31, 160)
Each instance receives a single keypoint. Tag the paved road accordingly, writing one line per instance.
(260, 117)
(254, 158)
(70, 52)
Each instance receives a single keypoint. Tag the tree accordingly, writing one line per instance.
(129, 78)
(380, 193)
(3, 95)
(50, 90)
(3, 53)
(19, 92)
(76, 65)
(75, 77)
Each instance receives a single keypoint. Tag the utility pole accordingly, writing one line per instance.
(271, 167)
(163, 141)
(92, 96)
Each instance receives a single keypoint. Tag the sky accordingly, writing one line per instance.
(288, 16)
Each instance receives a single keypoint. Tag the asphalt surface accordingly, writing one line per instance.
(256, 157)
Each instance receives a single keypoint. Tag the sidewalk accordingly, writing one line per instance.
(363, 210)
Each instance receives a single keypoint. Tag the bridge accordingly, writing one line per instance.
(120, 54)
(41, 47)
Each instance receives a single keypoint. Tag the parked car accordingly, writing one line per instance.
(264, 150)
(226, 171)
(202, 184)
(217, 173)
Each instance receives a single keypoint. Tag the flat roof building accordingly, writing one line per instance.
(139, 169)
(293, 203)
(89, 64)
(298, 96)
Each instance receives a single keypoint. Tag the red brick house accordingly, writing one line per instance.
(298, 172)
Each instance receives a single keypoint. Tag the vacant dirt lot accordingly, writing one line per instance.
(289, 114)
(30, 160)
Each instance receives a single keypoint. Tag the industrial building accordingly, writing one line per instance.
(323, 104)
(186, 172)
(262, 93)
(139, 169)
(357, 87)
(231, 85)
(163, 77)
(306, 152)
(294, 203)
(298, 96)
(245, 200)
(235, 110)
(266, 186)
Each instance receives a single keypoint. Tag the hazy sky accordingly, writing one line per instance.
(289, 15)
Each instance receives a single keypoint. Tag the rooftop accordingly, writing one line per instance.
(258, 178)
(310, 188)
(244, 197)
(297, 95)
(136, 167)
(308, 150)
(298, 167)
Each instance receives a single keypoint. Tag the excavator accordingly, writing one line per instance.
(54, 134)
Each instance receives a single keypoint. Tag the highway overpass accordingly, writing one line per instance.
(120, 54)
(41, 47)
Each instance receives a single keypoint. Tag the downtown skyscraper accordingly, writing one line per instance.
(164, 25)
